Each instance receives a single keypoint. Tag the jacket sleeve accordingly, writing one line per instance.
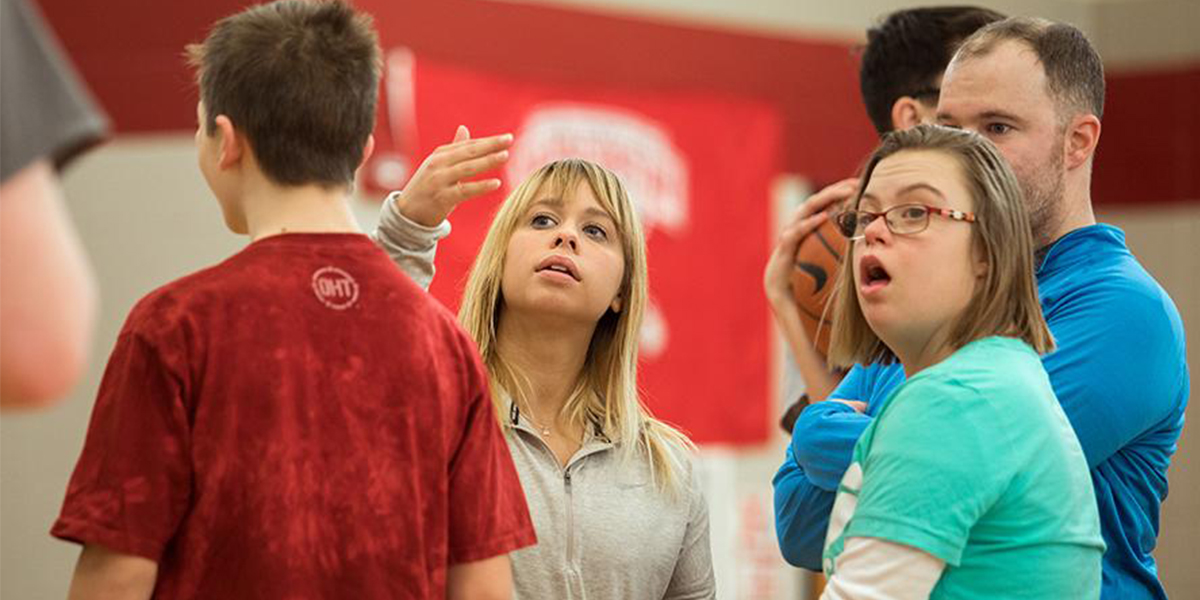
(819, 454)
(410, 245)
(823, 441)
(801, 515)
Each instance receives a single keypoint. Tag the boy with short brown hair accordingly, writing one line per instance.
(300, 420)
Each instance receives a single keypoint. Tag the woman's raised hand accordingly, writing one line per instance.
(442, 182)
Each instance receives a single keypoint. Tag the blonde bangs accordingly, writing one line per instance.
(606, 394)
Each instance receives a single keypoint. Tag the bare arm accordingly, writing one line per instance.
(818, 378)
(102, 574)
(47, 291)
(487, 579)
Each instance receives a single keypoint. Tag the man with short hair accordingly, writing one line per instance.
(300, 420)
(1036, 89)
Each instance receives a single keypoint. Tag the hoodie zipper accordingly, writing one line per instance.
(570, 519)
(568, 496)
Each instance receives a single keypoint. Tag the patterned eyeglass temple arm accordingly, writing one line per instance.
(957, 215)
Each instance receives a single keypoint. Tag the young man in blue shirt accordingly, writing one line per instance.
(1036, 89)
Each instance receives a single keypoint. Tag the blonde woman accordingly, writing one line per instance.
(970, 482)
(555, 300)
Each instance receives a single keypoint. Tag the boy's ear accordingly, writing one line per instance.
(231, 143)
(906, 113)
(368, 150)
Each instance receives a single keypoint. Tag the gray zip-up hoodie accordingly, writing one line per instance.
(605, 531)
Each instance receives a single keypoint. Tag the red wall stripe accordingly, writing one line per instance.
(132, 58)
(1150, 138)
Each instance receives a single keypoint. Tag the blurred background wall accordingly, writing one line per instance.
(146, 216)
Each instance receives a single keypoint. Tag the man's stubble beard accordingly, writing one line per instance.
(1044, 190)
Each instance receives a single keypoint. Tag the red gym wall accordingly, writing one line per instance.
(131, 58)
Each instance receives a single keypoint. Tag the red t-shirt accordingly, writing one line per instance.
(299, 421)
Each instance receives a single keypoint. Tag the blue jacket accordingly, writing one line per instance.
(1120, 372)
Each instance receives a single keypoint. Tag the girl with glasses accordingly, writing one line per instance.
(970, 482)
(555, 301)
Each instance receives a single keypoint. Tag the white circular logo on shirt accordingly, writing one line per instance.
(335, 288)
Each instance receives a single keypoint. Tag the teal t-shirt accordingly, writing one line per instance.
(973, 461)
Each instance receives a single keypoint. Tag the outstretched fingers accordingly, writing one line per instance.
(461, 151)
(471, 189)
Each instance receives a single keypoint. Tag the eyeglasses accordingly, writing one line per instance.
(905, 219)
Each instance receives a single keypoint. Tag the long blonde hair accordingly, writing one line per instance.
(606, 393)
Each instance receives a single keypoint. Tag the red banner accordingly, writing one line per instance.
(699, 168)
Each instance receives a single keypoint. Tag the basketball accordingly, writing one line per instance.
(817, 264)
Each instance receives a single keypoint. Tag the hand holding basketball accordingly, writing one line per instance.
(810, 234)
(805, 220)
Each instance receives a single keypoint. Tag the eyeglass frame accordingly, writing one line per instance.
(949, 213)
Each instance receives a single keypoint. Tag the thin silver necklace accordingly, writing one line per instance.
(545, 430)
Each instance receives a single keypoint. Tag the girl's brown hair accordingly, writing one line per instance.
(1005, 302)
